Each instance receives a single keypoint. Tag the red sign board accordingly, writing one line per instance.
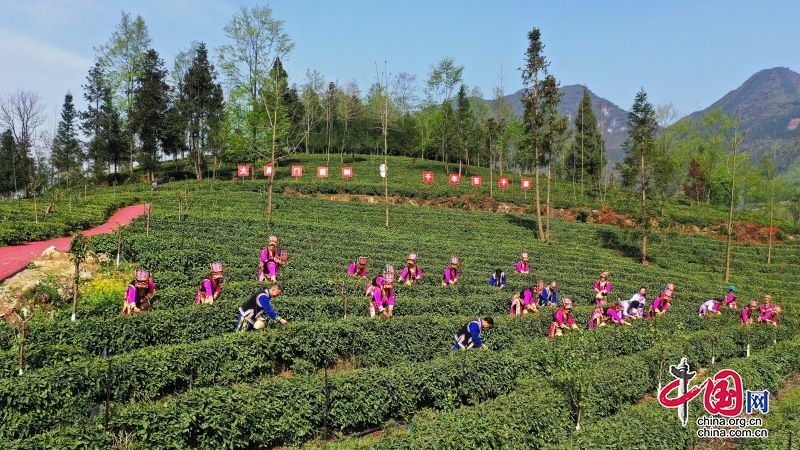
(455, 179)
(243, 170)
(427, 177)
(502, 182)
(347, 173)
(322, 171)
(297, 171)
(526, 184)
(476, 180)
(268, 170)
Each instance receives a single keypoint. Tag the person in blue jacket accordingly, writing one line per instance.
(497, 279)
(549, 295)
(469, 336)
(260, 304)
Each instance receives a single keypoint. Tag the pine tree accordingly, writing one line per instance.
(111, 133)
(638, 164)
(66, 154)
(555, 133)
(535, 66)
(96, 93)
(201, 107)
(7, 161)
(585, 160)
(149, 114)
(465, 126)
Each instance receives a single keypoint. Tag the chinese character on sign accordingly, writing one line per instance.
(268, 170)
(722, 393)
(347, 173)
(322, 172)
(455, 178)
(476, 180)
(297, 171)
(243, 170)
(526, 184)
(502, 182)
(427, 177)
(757, 400)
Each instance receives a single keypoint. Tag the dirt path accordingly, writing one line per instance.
(14, 258)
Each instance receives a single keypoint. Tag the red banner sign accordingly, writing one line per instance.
(455, 179)
(347, 173)
(297, 171)
(243, 170)
(526, 184)
(427, 177)
(268, 170)
(322, 171)
(502, 182)
(476, 180)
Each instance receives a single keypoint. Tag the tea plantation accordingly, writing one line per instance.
(178, 377)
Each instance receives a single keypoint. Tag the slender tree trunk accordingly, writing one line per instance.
(328, 132)
(444, 142)
(583, 165)
(491, 172)
(771, 207)
(601, 175)
(645, 219)
(307, 134)
(76, 284)
(24, 336)
(538, 196)
(547, 206)
(274, 123)
(386, 157)
(344, 141)
(729, 243)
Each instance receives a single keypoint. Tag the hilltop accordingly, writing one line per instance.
(768, 107)
(767, 104)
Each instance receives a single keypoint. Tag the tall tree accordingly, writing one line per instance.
(66, 155)
(554, 135)
(404, 92)
(442, 80)
(112, 135)
(256, 39)
(349, 108)
(21, 113)
(95, 92)
(183, 61)
(638, 166)
(280, 114)
(331, 99)
(736, 140)
(585, 160)
(535, 66)
(121, 58)
(465, 126)
(489, 133)
(405, 99)
(8, 159)
(310, 95)
(150, 109)
(504, 115)
(201, 106)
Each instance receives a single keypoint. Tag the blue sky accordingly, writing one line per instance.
(688, 53)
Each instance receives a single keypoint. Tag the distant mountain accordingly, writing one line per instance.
(612, 119)
(768, 107)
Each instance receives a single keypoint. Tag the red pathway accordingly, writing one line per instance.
(14, 258)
